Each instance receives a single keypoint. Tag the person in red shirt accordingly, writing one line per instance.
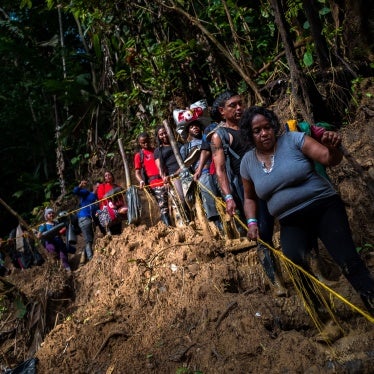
(146, 172)
(116, 201)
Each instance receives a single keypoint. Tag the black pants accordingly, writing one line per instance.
(325, 219)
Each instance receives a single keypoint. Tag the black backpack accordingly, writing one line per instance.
(235, 180)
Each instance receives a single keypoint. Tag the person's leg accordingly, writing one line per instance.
(265, 222)
(208, 196)
(61, 250)
(161, 196)
(177, 184)
(265, 255)
(334, 231)
(296, 235)
(86, 225)
(50, 247)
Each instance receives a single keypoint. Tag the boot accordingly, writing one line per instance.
(330, 333)
(219, 225)
(89, 251)
(315, 265)
(269, 266)
(165, 218)
(278, 289)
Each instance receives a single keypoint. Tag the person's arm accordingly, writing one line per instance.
(204, 156)
(138, 176)
(327, 152)
(81, 190)
(250, 208)
(161, 172)
(138, 170)
(219, 159)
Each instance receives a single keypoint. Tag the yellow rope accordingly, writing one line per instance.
(286, 261)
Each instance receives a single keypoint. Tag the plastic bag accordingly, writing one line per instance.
(27, 367)
(197, 111)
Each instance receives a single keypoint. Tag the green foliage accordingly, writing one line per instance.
(3, 307)
(308, 58)
(365, 248)
(121, 72)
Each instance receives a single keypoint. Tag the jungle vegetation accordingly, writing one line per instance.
(77, 75)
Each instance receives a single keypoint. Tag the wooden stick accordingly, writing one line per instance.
(173, 144)
(115, 333)
(21, 221)
(232, 305)
(125, 164)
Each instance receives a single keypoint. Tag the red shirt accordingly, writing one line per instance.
(102, 189)
(150, 167)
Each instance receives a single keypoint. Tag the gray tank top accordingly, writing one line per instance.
(293, 182)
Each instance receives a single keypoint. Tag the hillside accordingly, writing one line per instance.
(179, 300)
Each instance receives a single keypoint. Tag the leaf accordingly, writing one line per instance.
(324, 11)
(308, 58)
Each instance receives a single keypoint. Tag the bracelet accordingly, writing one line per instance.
(228, 197)
(249, 220)
(252, 223)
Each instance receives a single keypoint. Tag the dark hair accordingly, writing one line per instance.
(196, 122)
(219, 102)
(158, 128)
(110, 174)
(142, 135)
(247, 117)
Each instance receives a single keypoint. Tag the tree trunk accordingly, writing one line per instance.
(298, 82)
(322, 50)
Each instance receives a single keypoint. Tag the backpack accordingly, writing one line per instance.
(235, 180)
(107, 216)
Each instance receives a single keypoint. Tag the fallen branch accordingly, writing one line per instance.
(231, 306)
(110, 319)
(114, 333)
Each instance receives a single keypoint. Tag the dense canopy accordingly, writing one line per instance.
(75, 75)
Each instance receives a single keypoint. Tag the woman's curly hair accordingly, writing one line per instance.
(247, 117)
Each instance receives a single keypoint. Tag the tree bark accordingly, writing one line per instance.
(322, 49)
(298, 83)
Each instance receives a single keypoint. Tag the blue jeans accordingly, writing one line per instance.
(87, 225)
(209, 191)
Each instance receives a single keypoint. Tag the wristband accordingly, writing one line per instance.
(249, 220)
(252, 223)
(228, 197)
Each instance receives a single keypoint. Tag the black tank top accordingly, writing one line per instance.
(238, 146)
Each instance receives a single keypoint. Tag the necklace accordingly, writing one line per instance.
(266, 169)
